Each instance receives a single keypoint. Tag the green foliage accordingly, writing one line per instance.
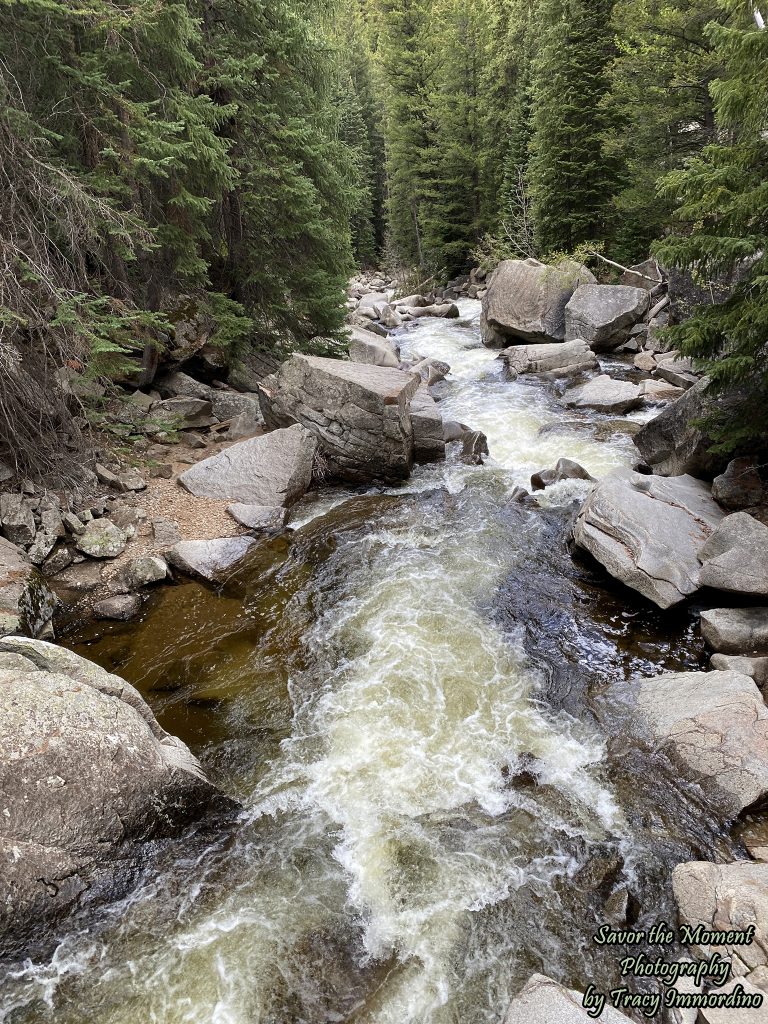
(722, 228)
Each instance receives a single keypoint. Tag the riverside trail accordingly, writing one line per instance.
(420, 702)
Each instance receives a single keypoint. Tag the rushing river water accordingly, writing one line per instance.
(421, 702)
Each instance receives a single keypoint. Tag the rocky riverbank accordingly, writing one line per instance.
(680, 526)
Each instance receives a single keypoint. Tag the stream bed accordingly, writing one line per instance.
(422, 702)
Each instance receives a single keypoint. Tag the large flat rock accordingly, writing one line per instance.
(543, 1001)
(735, 558)
(604, 394)
(359, 413)
(274, 469)
(527, 299)
(568, 357)
(717, 725)
(647, 532)
(87, 776)
(604, 314)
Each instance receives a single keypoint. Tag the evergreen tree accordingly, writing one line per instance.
(572, 183)
(661, 105)
(723, 228)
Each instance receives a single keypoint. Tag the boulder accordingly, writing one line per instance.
(274, 469)
(673, 443)
(181, 385)
(604, 314)
(210, 560)
(101, 539)
(88, 778)
(360, 414)
(645, 361)
(372, 350)
(527, 300)
(243, 426)
(369, 300)
(743, 484)
(184, 413)
(143, 571)
(410, 301)
(647, 532)
(659, 391)
(742, 631)
(726, 897)
(26, 603)
(568, 357)
(754, 667)
(454, 431)
(678, 371)
(431, 371)
(735, 558)
(605, 395)
(446, 310)
(543, 1001)
(427, 424)
(18, 523)
(227, 405)
(717, 725)
(122, 607)
(258, 517)
(566, 469)
(474, 448)
(390, 317)
(645, 275)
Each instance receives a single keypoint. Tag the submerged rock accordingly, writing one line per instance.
(122, 607)
(543, 1001)
(604, 394)
(88, 777)
(274, 469)
(527, 299)
(474, 448)
(717, 724)
(360, 414)
(735, 558)
(604, 314)
(648, 531)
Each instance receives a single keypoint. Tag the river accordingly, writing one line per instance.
(421, 701)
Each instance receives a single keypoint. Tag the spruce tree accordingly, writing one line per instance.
(572, 183)
(722, 218)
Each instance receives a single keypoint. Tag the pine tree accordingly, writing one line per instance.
(571, 181)
(662, 107)
(723, 228)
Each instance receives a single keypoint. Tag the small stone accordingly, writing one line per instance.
(102, 539)
(121, 608)
(57, 562)
(42, 546)
(106, 476)
(18, 523)
(163, 470)
(132, 481)
(193, 440)
(166, 533)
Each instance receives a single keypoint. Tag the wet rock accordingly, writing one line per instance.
(431, 371)
(755, 668)
(18, 523)
(527, 300)
(565, 469)
(604, 394)
(735, 558)
(454, 431)
(57, 562)
(647, 532)
(743, 484)
(742, 631)
(446, 311)
(427, 424)
(726, 897)
(41, 547)
(568, 357)
(372, 350)
(543, 1001)
(717, 725)
(258, 517)
(88, 777)
(474, 448)
(210, 560)
(519, 495)
(604, 314)
(360, 414)
(274, 469)
(81, 577)
(26, 603)
(673, 443)
(101, 539)
(185, 413)
(121, 608)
